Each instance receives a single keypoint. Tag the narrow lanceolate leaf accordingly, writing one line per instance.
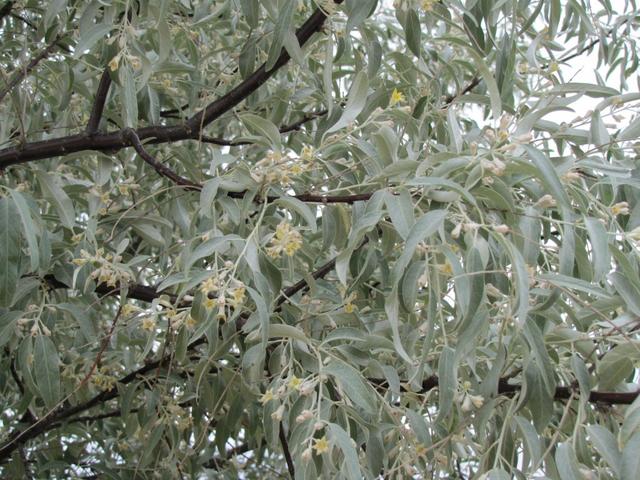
(47, 370)
(630, 461)
(9, 251)
(631, 131)
(600, 248)
(447, 381)
(606, 445)
(58, 198)
(280, 31)
(567, 463)
(343, 442)
(490, 81)
(263, 128)
(129, 97)
(355, 102)
(352, 383)
(539, 400)
(29, 228)
(548, 175)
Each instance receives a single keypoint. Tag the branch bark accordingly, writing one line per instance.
(99, 102)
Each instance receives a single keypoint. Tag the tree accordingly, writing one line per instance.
(307, 238)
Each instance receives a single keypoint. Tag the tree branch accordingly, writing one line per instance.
(506, 388)
(284, 129)
(99, 102)
(284, 443)
(136, 291)
(163, 170)
(22, 72)
(158, 134)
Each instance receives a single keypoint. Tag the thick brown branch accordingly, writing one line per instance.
(22, 72)
(506, 388)
(134, 291)
(99, 102)
(190, 185)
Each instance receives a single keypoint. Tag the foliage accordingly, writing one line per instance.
(367, 247)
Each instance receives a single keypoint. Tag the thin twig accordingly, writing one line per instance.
(103, 347)
(130, 135)
(26, 70)
(284, 443)
(284, 129)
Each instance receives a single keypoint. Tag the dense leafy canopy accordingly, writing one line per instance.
(314, 239)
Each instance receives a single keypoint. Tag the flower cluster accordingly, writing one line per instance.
(620, 208)
(468, 401)
(134, 61)
(179, 318)
(221, 291)
(286, 239)
(177, 416)
(108, 268)
(276, 168)
(127, 185)
(103, 379)
(495, 166)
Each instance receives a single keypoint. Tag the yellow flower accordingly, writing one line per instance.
(148, 324)
(396, 97)
(135, 62)
(238, 295)
(209, 303)
(267, 396)
(286, 239)
(321, 445)
(113, 64)
(447, 269)
(307, 153)
(129, 309)
(427, 5)
(349, 307)
(294, 383)
(620, 208)
(209, 285)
